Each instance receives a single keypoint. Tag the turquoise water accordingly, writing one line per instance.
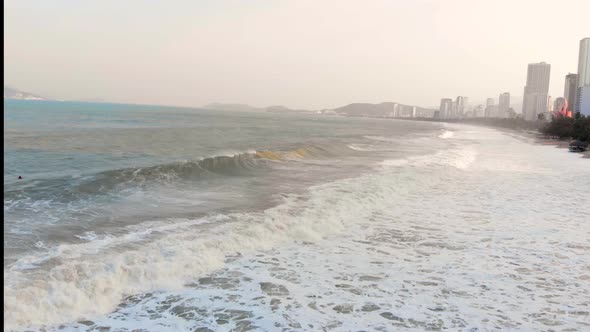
(90, 167)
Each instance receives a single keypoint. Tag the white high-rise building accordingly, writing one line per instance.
(582, 105)
(491, 108)
(536, 90)
(446, 108)
(584, 63)
(584, 100)
(504, 105)
(460, 104)
(570, 91)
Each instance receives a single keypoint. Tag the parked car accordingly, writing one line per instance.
(578, 146)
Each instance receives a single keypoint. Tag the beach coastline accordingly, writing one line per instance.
(530, 136)
(540, 139)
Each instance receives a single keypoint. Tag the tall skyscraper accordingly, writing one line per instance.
(584, 100)
(584, 63)
(490, 110)
(536, 90)
(446, 108)
(570, 91)
(504, 104)
(583, 77)
(460, 104)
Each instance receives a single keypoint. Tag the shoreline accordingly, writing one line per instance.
(538, 139)
(529, 135)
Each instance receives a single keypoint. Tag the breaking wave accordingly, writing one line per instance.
(236, 164)
(74, 281)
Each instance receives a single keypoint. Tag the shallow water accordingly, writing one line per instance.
(338, 224)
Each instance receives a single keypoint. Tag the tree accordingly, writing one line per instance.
(564, 127)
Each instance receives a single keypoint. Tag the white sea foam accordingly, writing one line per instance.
(362, 147)
(419, 244)
(87, 236)
(446, 134)
(80, 286)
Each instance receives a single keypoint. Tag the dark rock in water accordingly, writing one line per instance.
(390, 316)
(221, 321)
(274, 304)
(244, 325)
(349, 288)
(437, 308)
(332, 325)
(370, 307)
(274, 289)
(203, 329)
(343, 308)
(239, 314)
(370, 278)
(86, 322)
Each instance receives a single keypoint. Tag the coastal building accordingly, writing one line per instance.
(453, 110)
(406, 111)
(536, 90)
(582, 93)
(491, 108)
(558, 104)
(584, 63)
(479, 111)
(491, 111)
(446, 108)
(395, 112)
(512, 113)
(460, 104)
(584, 100)
(504, 105)
(570, 91)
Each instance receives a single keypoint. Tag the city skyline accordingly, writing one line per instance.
(536, 98)
(302, 54)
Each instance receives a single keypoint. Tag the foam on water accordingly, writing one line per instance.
(448, 240)
(81, 287)
(446, 134)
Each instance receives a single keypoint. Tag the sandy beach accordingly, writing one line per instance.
(539, 139)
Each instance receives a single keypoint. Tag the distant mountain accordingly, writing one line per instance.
(232, 107)
(280, 108)
(248, 108)
(386, 109)
(12, 93)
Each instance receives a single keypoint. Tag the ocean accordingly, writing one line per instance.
(154, 218)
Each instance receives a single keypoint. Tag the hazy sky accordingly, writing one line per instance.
(299, 53)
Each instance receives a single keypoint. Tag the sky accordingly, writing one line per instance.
(311, 54)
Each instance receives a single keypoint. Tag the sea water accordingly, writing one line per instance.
(151, 218)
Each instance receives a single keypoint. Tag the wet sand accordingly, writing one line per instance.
(539, 139)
